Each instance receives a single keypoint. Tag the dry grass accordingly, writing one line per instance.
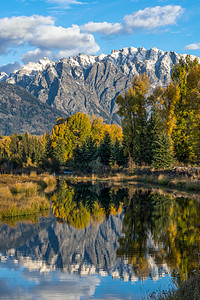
(28, 188)
(23, 195)
(5, 192)
(50, 180)
(33, 174)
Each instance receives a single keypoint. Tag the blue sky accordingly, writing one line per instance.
(32, 29)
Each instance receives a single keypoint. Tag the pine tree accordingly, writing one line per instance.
(48, 146)
(153, 131)
(14, 144)
(105, 150)
(92, 149)
(81, 158)
(117, 154)
(59, 151)
(162, 153)
(141, 139)
(39, 151)
(25, 146)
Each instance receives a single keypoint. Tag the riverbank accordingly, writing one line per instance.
(23, 195)
(182, 178)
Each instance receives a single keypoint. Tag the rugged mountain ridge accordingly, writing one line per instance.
(20, 112)
(89, 83)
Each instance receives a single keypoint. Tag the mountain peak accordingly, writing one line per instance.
(3, 76)
(90, 83)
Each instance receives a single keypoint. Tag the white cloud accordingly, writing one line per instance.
(64, 4)
(69, 38)
(49, 40)
(17, 31)
(153, 17)
(54, 285)
(195, 46)
(149, 18)
(102, 27)
(9, 68)
(35, 55)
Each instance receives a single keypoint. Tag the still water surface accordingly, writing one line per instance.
(101, 243)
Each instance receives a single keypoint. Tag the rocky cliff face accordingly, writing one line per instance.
(90, 84)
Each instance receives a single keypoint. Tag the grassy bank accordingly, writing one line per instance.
(187, 179)
(24, 195)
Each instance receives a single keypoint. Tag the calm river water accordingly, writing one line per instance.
(101, 242)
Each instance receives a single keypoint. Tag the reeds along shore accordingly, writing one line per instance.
(24, 195)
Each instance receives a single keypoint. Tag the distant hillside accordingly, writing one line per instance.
(20, 112)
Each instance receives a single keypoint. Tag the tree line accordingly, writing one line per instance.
(157, 129)
(78, 142)
(165, 126)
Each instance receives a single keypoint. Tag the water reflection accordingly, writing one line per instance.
(84, 203)
(96, 230)
(161, 230)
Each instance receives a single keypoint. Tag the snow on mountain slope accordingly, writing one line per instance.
(91, 83)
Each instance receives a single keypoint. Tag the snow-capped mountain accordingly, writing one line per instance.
(89, 83)
(3, 76)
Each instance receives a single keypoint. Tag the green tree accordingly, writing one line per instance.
(105, 150)
(186, 133)
(14, 144)
(79, 125)
(117, 154)
(162, 152)
(153, 129)
(48, 153)
(133, 110)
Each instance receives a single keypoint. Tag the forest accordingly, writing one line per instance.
(158, 129)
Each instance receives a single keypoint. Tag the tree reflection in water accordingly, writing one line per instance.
(157, 227)
(82, 203)
(161, 227)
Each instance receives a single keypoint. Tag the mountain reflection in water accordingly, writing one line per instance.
(128, 233)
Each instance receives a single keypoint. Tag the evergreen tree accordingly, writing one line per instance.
(81, 158)
(59, 151)
(25, 146)
(48, 153)
(91, 149)
(162, 152)
(153, 131)
(117, 154)
(105, 150)
(39, 151)
(141, 148)
(14, 144)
